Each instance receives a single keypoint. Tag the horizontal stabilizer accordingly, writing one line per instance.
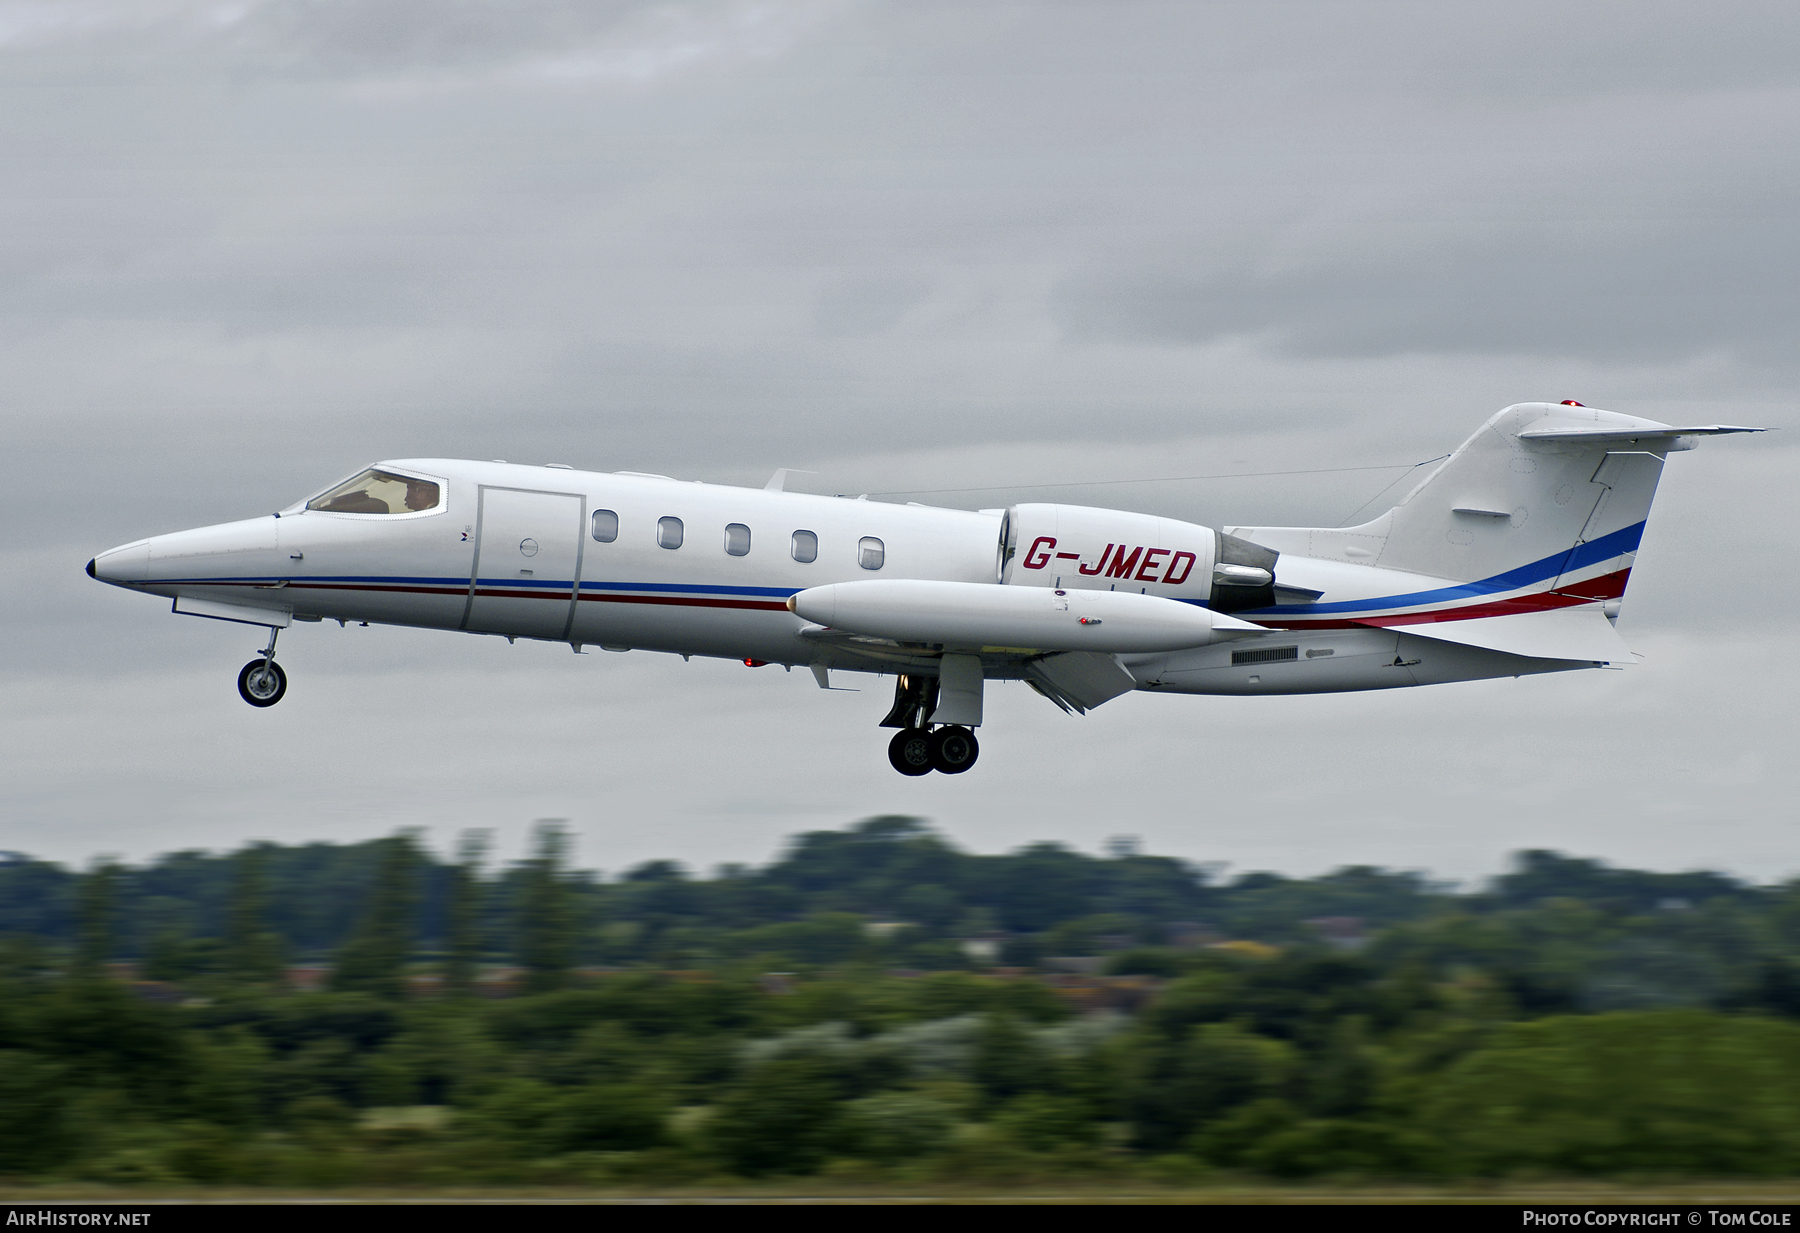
(1080, 680)
(1599, 435)
(1581, 633)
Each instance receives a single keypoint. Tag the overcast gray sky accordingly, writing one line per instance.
(249, 247)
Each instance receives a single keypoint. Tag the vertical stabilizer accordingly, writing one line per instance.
(1543, 495)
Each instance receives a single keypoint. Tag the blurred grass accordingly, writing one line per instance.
(1649, 1191)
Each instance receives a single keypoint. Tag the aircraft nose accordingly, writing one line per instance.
(130, 563)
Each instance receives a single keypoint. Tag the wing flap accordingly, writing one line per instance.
(1080, 680)
(1581, 633)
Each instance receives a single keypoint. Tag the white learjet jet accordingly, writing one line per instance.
(1510, 558)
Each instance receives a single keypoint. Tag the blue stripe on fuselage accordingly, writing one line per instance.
(386, 580)
(692, 588)
(1579, 557)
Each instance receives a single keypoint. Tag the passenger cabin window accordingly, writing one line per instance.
(806, 547)
(378, 492)
(870, 553)
(737, 539)
(668, 532)
(606, 526)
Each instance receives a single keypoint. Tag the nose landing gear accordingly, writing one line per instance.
(262, 682)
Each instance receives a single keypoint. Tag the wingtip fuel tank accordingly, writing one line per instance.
(985, 616)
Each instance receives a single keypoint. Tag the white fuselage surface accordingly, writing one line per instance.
(1509, 559)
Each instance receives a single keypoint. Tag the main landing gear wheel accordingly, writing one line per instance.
(262, 682)
(910, 751)
(953, 749)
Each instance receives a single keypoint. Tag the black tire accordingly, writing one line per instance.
(954, 749)
(910, 751)
(262, 682)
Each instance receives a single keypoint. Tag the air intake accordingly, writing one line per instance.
(1274, 655)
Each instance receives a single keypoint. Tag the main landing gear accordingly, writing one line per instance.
(918, 751)
(919, 748)
(262, 682)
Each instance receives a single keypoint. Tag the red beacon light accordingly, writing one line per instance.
(1570, 402)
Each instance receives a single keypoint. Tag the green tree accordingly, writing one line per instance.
(110, 1041)
(895, 1126)
(35, 1092)
(253, 952)
(608, 1117)
(1215, 1069)
(1335, 1146)
(1044, 1123)
(1653, 1091)
(1342, 1079)
(546, 936)
(98, 892)
(374, 959)
(463, 952)
(778, 1119)
(1008, 1060)
(229, 1076)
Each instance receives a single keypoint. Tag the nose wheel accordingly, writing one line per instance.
(262, 682)
(949, 750)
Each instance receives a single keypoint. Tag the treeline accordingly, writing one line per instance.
(1298, 1065)
(1562, 932)
(1569, 1018)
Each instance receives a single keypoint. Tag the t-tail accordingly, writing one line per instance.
(1540, 511)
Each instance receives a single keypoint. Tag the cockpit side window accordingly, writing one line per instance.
(379, 492)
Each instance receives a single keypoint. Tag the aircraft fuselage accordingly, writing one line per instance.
(1509, 559)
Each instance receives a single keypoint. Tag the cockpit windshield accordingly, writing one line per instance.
(378, 492)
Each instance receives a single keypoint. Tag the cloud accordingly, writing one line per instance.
(860, 307)
(634, 41)
(1614, 289)
(251, 245)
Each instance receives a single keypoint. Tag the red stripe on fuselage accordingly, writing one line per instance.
(403, 590)
(1515, 606)
(1607, 586)
(679, 601)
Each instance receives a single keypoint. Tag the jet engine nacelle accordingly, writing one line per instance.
(1078, 547)
(980, 616)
